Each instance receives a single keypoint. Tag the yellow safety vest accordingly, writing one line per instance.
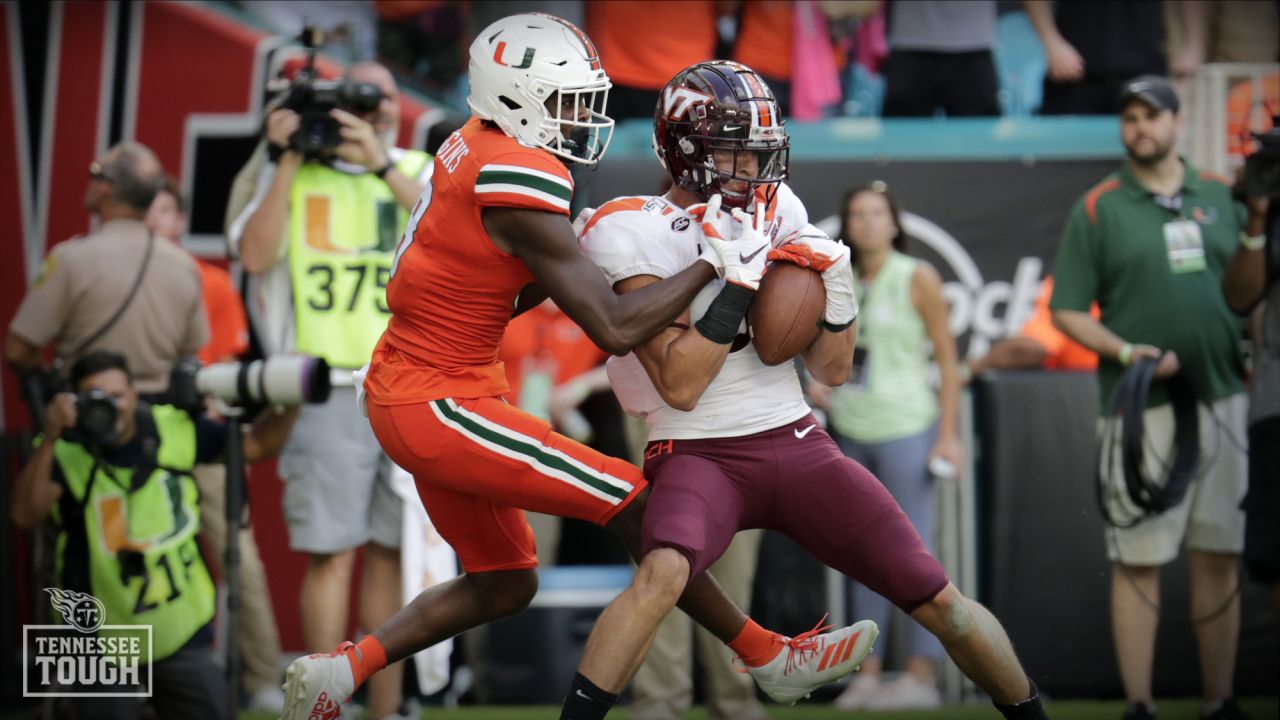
(342, 236)
(105, 516)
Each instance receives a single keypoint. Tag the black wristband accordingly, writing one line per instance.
(381, 172)
(833, 328)
(724, 315)
(275, 151)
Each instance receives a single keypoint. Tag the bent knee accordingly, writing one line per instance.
(662, 576)
(949, 614)
(505, 592)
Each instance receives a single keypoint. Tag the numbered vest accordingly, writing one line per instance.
(342, 236)
(132, 543)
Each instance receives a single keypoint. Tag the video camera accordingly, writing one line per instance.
(318, 134)
(287, 380)
(1262, 168)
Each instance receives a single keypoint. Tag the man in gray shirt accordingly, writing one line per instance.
(117, 288)
(1253, 276)
(940, 58)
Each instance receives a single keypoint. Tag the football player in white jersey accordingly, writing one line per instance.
(732, 444)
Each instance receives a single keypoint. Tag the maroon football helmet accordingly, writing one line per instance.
(721, 106)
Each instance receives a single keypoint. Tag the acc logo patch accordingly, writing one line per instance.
(680, 224)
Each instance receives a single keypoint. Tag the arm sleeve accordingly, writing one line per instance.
(1075, 274)
(623, 247)
(43, 313)
(525, 180)
(211, 438)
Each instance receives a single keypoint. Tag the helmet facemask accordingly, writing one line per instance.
(753, 159)
(579, 130)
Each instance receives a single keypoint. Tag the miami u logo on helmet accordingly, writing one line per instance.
(526, 62)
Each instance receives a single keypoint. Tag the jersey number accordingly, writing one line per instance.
(187, 556)
(411, 228)
(327, 296)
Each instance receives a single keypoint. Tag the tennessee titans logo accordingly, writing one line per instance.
(81, 611)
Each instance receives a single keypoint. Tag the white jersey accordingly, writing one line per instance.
(647, 235)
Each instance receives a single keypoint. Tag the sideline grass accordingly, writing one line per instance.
(1258, 709)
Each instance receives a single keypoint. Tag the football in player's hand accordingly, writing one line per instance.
(786, 313)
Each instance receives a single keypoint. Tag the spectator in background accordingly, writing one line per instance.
(1253, 277)
(1093, 47)
(117, 287)
(1038, 345)
(317, 238)
(888, 417)
(228, 331)
(764, 43)
(644, 44)
(940, 58)
(120, 535)
(1149, 244)
(259, 641)
(1234, 31)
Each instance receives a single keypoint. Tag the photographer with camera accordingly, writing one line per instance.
(114, 475)
(1150, 245)
(1253, 278)
(318, 238)
(117, 287)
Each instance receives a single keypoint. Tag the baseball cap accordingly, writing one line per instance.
(1153, 90)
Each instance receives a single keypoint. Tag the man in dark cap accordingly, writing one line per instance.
(1150, 244)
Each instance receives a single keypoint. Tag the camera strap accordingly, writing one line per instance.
(133, 292)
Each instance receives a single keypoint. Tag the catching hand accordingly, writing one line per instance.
(743, 258)
(811, 248)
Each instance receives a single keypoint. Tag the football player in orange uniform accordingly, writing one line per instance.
(489, 238)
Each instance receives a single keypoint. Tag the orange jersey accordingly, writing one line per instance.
(228, 329)
(1064, 353)
(452, 290)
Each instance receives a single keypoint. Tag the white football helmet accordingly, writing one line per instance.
(521, 62)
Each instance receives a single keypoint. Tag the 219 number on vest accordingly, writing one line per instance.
(340, 286)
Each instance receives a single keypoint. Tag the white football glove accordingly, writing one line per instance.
(738, 242)
(811, 248)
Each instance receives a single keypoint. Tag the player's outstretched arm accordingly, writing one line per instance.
(680, 361)
(616, 323)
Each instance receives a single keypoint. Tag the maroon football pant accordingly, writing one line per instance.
(794, 480)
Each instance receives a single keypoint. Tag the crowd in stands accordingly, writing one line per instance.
(835, 58)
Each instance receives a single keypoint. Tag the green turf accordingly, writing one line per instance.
(1265, 709)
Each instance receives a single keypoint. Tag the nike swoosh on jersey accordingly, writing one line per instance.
(747, 258)
(802, 433)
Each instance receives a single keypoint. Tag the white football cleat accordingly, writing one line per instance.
(316, 686)
(813, 659)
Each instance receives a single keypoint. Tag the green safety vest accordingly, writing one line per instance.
(108, 521)
(343, 232)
